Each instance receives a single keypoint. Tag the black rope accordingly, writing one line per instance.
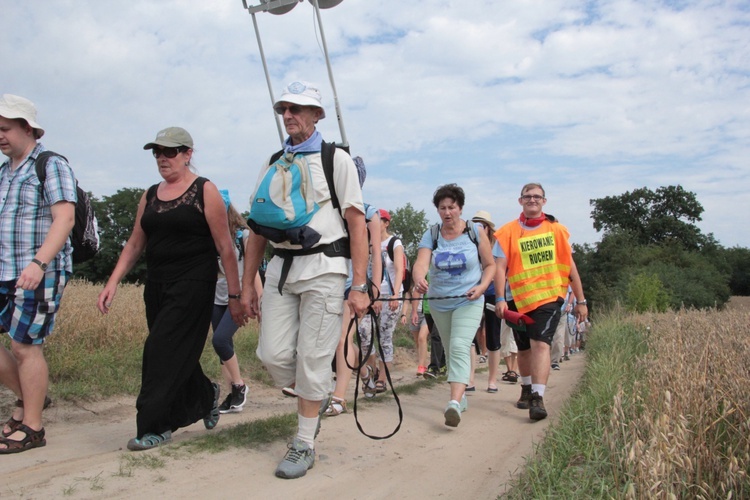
(362, 359)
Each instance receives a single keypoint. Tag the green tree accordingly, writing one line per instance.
(738, 259)
(409, 225)
(646, 293)
(116, 216)
(669, 213)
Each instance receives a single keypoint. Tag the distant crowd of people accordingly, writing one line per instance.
(476, 292)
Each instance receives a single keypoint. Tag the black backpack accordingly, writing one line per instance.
(85, 236)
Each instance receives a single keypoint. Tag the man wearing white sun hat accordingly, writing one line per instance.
(304, 289)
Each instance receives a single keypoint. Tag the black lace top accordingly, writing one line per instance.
(180, 245)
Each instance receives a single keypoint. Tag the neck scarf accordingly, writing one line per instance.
(532, 222)
(311, 145)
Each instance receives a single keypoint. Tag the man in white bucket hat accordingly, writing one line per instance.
(305, 280)
(35, 265)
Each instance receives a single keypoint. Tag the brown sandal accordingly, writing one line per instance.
(13, 424)
(33, 439)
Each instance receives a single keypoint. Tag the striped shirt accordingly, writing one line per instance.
(25, 215)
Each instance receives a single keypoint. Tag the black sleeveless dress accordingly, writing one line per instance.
(179, 294)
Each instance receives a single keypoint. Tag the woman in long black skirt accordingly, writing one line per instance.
(181, 224)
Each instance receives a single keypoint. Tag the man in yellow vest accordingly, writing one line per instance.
(534, 256)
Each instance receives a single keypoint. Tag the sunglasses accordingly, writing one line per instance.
(294, 109)
(167, 152)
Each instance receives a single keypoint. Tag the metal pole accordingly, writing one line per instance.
(268, 79)
(344, 141)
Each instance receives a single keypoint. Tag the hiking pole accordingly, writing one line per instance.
(344, 141)
(268, 79)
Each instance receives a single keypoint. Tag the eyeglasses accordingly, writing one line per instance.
(529, 197)
(294, 109)
(168, 152)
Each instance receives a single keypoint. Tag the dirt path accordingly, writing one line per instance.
(86, 457)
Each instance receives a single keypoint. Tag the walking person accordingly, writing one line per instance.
(390, 287)
(35, 266)
(459, 260)
(222, 323)
(344, 360)
(534, 257)
(304, 290)
(181, 224)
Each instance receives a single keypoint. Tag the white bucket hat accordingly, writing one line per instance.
(13, 106)
(304, 94)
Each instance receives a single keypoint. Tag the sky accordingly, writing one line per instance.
(590, 98)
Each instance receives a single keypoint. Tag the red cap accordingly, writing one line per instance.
(384, 214)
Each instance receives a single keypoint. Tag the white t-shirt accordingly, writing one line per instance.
(221, 298)
(385, 286)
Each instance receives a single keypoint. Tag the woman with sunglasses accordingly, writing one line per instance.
(181, 224)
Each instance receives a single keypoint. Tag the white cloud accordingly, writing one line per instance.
(591, 98)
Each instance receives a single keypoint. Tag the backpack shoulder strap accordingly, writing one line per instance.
(275, 157)
(389, 248)
(434, 232)
(327, 151)
(472, 232)
(41, 164)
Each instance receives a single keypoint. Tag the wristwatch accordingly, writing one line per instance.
(581, 302)
(40, 264)
(360, 288)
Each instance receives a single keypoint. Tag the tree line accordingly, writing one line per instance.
(651, 255)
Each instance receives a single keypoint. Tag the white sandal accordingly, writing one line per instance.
(337, 407)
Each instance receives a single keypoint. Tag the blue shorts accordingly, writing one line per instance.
(29, 315)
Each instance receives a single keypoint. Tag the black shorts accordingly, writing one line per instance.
(545, 318)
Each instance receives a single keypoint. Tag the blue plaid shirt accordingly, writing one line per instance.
(25, 215)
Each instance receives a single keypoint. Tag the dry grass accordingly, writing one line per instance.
(92, 356)
(684, 429)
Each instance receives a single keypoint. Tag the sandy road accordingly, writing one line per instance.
(86, 457)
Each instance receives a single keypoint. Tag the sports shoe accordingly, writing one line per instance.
(525, 400)
(432, 372)
(566, 357)
(289, 392)
(464, 404)
(421, 371)
(235, 401)
(298, 460)
(555, 366)
(452, 414)
(536, 407)
(210, 420)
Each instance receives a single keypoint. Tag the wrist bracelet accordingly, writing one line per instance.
(499, 299)
(234, 296)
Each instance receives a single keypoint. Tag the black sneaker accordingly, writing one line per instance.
(536, 407)
(235, 401)
(525, 400)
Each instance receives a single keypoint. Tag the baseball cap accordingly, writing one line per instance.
(171, 137)
(13, 106)
(384, 214)
(304, 94)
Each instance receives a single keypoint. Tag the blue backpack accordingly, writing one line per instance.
(284, 202)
